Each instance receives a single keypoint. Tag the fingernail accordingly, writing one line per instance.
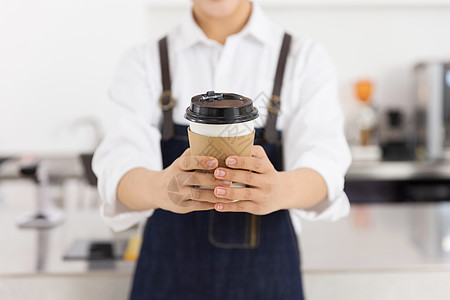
(226, 182)
(212, 163)
(220, 173)
(219, 206)
(220, 191)
(231, 161)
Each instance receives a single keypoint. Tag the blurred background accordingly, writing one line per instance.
(393, 59)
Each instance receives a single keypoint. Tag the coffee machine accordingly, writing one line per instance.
(432, 110)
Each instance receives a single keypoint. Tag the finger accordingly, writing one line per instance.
(258, 151)
(199, 205)
(202, 195)
(255, 164)
(195, 162)
(241, 176)
(178, 190)
(239, 206)
(186, 152)
(237, 193)
(206, 179)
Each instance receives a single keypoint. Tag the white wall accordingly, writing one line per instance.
(382, 44)
(56, 62)
(378, 42)
(57, 57)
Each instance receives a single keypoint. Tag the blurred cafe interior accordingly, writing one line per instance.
(392, 58)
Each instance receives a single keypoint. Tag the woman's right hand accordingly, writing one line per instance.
(178, 184)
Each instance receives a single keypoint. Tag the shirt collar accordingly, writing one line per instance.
(188, 33)
(259, 26)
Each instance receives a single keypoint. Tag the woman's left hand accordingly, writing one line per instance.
(262, 196)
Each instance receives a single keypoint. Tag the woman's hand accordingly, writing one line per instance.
(176, 188)
(265, 184)
(178, 184)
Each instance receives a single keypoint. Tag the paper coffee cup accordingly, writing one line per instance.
(221, 125)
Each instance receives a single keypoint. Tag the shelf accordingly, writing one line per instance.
(398, 171)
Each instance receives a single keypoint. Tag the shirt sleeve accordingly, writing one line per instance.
(314, 136)
(133, 141)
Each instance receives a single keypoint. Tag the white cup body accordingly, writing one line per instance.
(223, 130)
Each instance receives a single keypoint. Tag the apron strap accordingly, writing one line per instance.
(166, 101)
(270, 130)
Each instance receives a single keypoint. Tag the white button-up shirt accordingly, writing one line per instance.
(310, 119)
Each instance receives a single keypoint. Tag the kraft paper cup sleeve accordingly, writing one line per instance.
(221, 147)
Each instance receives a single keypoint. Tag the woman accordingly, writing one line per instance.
(197, 246)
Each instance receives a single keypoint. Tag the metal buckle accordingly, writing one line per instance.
(168, 105)
(271, 107)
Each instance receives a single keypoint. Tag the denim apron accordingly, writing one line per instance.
(220, 256)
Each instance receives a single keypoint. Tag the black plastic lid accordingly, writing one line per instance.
(220, 108)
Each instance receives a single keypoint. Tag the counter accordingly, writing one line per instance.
(381, 251)
(31, 261)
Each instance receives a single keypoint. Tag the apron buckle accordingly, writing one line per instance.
(166, 101)
(274, 104)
